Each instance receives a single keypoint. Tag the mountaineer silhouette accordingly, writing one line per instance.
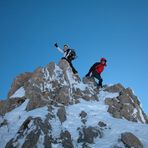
(69, 55)
(96, 71)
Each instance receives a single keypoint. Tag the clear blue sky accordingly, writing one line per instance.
(115, 29)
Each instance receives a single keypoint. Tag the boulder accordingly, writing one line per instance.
(36, 99)
(125, 105)
(130, 140)
(62, 114)
(31, 135)
(88, 134)
(63, 95)
(65, 137)
(114, 88)
(102, 124)
(83, 114)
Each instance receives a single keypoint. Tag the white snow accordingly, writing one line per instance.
(19, 93)
(46, 73)
(141, 115)
(40, 143)
(56, 125)
(15, 119)
(97, 111)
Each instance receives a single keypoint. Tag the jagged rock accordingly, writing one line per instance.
(66, 140)
(102, 124)
(63, 64)
(51, 68)
(130, 93)
(131, 140)
(24, 126)
(114, 88)
(32, 139)
(83, 114)
(90, 81)
(3, 123)
(61, 114)
(126, 105)
(57, 88)
(63, 95)
(36, 100)
(88, 134)
(125, 99)
(10, 104)
(19, 82)
(32, 135)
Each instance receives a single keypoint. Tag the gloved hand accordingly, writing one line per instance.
(56, 45)
(87, 75)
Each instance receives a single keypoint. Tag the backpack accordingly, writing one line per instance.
(71, 54)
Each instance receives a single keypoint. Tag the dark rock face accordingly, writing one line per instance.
(131, 140)
(66, 140)
(33, 135)
(19, 82)
(114, 88)
(10, 104)
(56, 83)
(102, 124)
(126, 105)
(83, 114)
(57, 88)
(88, 134)
(62, 114)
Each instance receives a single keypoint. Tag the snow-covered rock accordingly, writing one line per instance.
(52, 107)
(19, 93)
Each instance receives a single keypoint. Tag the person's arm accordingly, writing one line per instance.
(59, 49)
(91, 69)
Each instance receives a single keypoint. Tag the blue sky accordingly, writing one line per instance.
(115, 29)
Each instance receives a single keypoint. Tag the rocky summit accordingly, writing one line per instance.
(53, 108)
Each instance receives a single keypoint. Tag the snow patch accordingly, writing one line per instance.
(19, 93)
(141, 116)
(40, 143)
(104, 94)
(15, 119)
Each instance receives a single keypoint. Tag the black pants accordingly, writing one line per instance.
(70, 63)
(97, 76)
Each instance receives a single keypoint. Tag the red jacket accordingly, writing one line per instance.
(100, 68)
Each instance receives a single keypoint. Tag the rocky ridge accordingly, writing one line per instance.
(51, 107)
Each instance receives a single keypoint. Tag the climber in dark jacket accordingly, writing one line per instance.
(96, 71)
(69, 55)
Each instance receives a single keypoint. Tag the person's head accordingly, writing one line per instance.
(103, 61)
(65, 47)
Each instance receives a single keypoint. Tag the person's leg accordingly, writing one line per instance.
(98, 76)
(73, 69)
(70, 63)
(100, 82)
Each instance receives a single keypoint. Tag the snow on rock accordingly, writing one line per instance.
(19, 93)
(15, 119)
(63, 111)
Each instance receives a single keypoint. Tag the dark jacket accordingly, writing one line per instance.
(98, 67)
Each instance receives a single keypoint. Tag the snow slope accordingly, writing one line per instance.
(15, 119)
(96, 111)
(43, 88)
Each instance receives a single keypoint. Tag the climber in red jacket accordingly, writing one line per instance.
(96, 71)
